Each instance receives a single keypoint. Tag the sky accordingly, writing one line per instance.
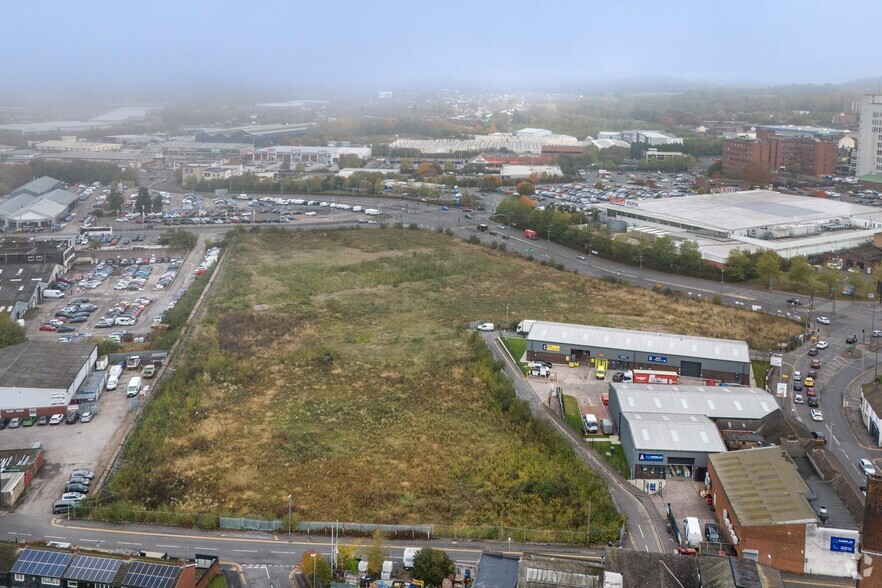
(314, 47)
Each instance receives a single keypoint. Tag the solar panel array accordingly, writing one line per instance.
(99, 570)
(151, 575)
(37, 562)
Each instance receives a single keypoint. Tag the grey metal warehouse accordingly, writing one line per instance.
(724, 360)
(669, 430)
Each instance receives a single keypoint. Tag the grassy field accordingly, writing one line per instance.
(517, 346)
(335, 367)
(573, 413)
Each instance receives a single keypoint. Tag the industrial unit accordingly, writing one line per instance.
(722, 360)
(40, 378)
(668, 431)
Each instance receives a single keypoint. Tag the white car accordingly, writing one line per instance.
(486, 327)
(797, 376)
(798, 399)
(75, 496)
(87, 416)
(867, 467)
(823, 320)
(56, 419)
(817, 415)
(310, 213)
(822, 345)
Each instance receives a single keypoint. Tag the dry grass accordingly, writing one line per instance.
(332, 367)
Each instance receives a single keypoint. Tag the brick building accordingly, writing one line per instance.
(807, 156)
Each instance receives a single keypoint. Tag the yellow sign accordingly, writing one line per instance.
(550, 347)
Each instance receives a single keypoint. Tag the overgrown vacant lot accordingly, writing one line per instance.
(334, 366)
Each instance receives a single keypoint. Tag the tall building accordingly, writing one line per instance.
(869, 159)
(803, 155)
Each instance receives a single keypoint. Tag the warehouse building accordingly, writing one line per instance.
(21, 286)
(17, 468)
(257, 135)
(38, 187)
(40, 378)
(723, 360)
(753, 220)
(760, 501)
(668, 431)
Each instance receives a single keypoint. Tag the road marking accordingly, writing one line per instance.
(639, 528)
(206, 548)
(126, 543)
(56, 537)
(169, 546)
(245, 550)
(22, 534)
(284, 552)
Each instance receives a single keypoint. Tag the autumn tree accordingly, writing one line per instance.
(739, 265)
(526, 189)
(432, 566)
(377, 553)
(313, 565)
(768, 266)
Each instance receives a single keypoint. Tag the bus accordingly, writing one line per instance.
(530, 234)
(96, 231)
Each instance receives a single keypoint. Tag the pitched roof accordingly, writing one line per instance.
(872, 392)
(672, 432)
(38, 186)
(714, 402)
(653, 570)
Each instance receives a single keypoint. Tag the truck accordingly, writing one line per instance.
(483, 228)
(524, 327)
(530, 234)
(372, 211)
(409, 554)
(651, 377)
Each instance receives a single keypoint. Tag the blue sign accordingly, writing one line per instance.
(624, 357)
(652, 486)
(657, 358)
(843, 544)
(651, 456)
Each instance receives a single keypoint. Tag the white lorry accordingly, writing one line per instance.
(409, 554)
(524, 327)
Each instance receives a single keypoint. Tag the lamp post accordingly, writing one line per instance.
(509, 544)
(314, 561)
(289, 514)
(722, 279)
(506, 316)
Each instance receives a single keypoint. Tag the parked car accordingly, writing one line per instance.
(133, 362)
(486, 327)
(3, 423)
(63, 506)
(809, 381)
(712, 533)
(14, 423)
(797, 386)
(86, 417)
(813, 352)
(813, 402)
(56, 419)
(876, 334)
(78, 480)
(817, 415)
(72, 487)
(867, 467)
(618, 377)
(149, 371)
(72, 418)
(797, 376)
(42, 420)
(76, 496)
(83, 474)
(29, 422)
(798, 399)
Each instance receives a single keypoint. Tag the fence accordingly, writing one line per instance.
(249, 524)
(598, 535)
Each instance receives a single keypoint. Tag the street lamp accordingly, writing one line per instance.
(314, 560)
(289, 514)
(722, 279)
(509, 544)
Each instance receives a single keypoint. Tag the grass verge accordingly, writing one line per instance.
(760, 371)
(517, 347)
(573, 414)
(615, 458)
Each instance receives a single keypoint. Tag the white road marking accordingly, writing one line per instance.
(206, 548)
(245, 550)
(170, 546)
(284, 552)
(22, 534)
(54, 537)
(639, 528)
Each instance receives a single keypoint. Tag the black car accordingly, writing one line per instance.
(813, 402)
(813, 352)
(619, 377)
(819, 438)
(712, 533)
(797, 386)
(43, 420)
(3, 423)
(851, 340)
(79, 480)
(794, 301)
(811, 374)
(70, 487)
(72, 418)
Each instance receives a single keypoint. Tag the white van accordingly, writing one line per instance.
(112, 382)
(691, 532)
(134, 387)
(53, 294)
(590, 421)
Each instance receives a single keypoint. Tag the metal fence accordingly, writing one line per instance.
(249, 524)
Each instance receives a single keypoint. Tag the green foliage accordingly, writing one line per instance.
(376, 553)
(740, 265)
(768, 266)
(114, 202)
(144, 204)
(526, 189)
(517, 347)
(573, 415)
(11, 333)
(105, 346)
(760, 371)
(432, 566)
(73, 172)
(178, 239)
(313, 561)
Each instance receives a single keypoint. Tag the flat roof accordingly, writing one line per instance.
(763, 487)
(203, 145)
(674, 432)
(42, 364)
(715, 402)
(737, 211)
(641, 341)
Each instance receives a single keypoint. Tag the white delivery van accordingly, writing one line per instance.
(409, 554)
(53, 294)
(590, 421)
(691, 532)
(134, 387)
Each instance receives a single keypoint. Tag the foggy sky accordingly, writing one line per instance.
(311, 47)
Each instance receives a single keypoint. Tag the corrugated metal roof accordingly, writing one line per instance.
(40, 364)
(62, 197)
(674, 432)
(38, 186)
(641, 341)
(714, 402)
(763, 487)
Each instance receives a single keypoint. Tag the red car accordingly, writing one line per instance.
(810, 391)
(816, 364)
(47, 327)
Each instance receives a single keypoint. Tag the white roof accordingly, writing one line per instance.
(674, 432)
(641, 341)
(525, 171)
(716, 402)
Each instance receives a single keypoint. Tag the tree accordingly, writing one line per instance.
(739, 265)
(662, 253)
(801, 272)
(526, 189)
(347, 555)
(114, 200)
(322, 570)
(11, 333)
(157, 203)
(689, 261)
(377, 553)
(432, 566)
(768, 266)
(406, 166)
(143, 202)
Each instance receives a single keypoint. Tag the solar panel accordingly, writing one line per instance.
(99, 570)
(151, 575)
(37, 562)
